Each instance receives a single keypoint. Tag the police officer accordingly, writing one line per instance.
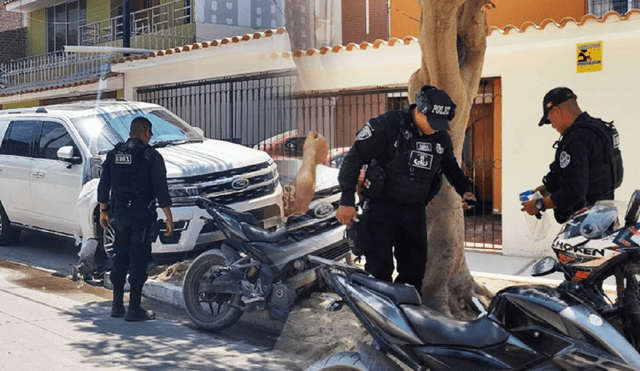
(406, 151)
(135, 175)
(588, 164)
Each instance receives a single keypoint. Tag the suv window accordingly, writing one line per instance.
(102, 131)
(54, 136)
(17, 139)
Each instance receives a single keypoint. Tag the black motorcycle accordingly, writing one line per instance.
(570, 327)
(257, 269)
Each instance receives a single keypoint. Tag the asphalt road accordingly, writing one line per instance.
(50, 322)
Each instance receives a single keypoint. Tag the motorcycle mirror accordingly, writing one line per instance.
(545, 266)
(335, 305)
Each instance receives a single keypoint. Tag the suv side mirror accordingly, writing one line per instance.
(66, 154)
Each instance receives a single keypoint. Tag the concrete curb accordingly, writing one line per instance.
(170, 293)
(529, 280)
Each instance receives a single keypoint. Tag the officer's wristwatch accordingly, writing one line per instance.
(540, 204)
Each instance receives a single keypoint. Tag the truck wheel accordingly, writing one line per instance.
(8, 234)
(209, 310)
(344, 361)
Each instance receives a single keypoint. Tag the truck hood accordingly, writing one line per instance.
(207, 157)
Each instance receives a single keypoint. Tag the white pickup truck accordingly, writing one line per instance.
(50, 165)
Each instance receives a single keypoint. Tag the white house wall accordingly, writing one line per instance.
(532, 62)
(187, 64)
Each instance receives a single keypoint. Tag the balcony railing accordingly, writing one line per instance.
(159, 27)
(52, 69)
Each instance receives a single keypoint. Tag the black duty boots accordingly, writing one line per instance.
(135, 311)
(117, 305)
(117, 310)
(139, 314)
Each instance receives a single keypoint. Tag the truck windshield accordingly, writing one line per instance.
(103, 130)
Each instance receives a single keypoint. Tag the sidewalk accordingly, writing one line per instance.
(56, 324)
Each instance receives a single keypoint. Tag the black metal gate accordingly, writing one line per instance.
(243, 109)
(262, 110)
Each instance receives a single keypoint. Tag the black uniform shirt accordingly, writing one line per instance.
(158, 173)
(378, 139)
(568, 179)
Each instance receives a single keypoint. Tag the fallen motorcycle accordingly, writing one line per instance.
(570, 327)
(256, 269)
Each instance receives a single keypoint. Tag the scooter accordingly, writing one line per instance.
(570, 327)
(257, 269)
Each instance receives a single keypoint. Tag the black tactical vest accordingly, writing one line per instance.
(605, 177)
(414, 173)
(130, 176)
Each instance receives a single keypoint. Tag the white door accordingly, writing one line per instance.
(15, 168)
(55, 184)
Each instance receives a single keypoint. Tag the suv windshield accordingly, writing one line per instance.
(103, 130)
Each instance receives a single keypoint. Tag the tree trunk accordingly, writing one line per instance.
(452, 40)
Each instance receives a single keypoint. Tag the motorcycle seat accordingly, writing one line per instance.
(257, 234)
(399, 293)
(436, 329)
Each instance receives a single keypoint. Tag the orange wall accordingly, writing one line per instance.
(403, 25)
(514, 12)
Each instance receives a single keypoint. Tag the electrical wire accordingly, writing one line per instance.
(403, 13)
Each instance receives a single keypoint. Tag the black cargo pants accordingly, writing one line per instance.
(132, 249)
(400, 231)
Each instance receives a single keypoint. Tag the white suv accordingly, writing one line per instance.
(50, 165)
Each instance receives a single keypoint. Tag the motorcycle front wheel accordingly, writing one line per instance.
(344, 361)
(210, 311)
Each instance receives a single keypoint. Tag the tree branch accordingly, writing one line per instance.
(438, 35)
(472, 31)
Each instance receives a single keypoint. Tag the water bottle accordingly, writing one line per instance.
(538, 226)
(524, 196)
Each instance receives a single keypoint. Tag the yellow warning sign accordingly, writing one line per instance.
(589, 57)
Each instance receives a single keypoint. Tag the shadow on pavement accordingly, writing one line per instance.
(164, 344)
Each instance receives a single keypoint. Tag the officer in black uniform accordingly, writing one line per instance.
(588, 164)
(135, 175)
(406, 151)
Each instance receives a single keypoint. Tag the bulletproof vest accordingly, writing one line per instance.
(130, 172)
(605, 177)
(414, 173)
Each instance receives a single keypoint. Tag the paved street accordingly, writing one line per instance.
(52, 323)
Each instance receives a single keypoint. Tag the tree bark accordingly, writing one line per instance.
(452, 40)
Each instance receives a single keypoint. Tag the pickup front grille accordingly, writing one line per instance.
(227, 187)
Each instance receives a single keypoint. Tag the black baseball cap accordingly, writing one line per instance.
(437, 106)
(553, 98)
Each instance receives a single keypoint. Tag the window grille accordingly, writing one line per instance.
(600, 7)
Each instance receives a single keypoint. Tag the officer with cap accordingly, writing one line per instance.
(588, 164)
(407, 152)
(133, 178)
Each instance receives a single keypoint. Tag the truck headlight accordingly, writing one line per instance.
(184, 190)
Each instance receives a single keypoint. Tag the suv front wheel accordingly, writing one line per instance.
(8, 234)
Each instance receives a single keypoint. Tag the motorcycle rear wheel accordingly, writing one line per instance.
(343, 361)
(208, 310)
